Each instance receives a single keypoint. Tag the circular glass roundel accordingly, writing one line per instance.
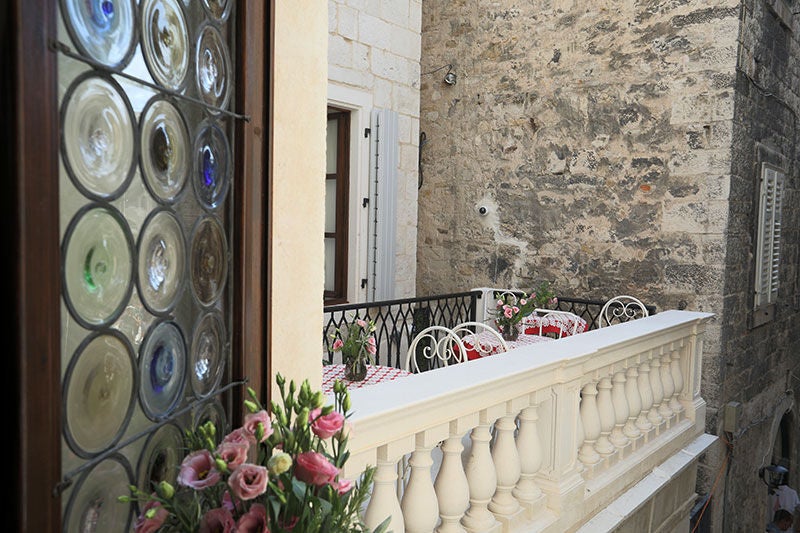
(165, 42)
(98, 140)
(161, 458)
(162, 369)
(98, 265)
(207, 354)
(211, 411)
(212, 166)
(162, 261)
(104, 30)
(165, 147)
(99, 393)
(93, 505)
(208, 268)
(218, 9)
(213, 68)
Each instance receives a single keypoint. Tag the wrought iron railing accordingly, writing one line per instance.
(398, 321)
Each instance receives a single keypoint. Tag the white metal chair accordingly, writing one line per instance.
(621, 309)
(558, 319)
(476, 330)
(444, 347)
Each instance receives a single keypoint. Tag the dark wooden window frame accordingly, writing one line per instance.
(341, 233)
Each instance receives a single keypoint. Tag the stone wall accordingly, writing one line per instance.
(758, 363)
(614, 144)
(375, 47)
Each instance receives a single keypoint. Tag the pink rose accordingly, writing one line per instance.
(252, 420)
(254, 521)
(315, 469)
(337, 344)
(198, 470)
(248, 481)
(151, 525)
(218, 520)
(233, 453)
(326, 426)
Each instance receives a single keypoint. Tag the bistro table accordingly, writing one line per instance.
(558, 324)
(485, 343)
(375, 374)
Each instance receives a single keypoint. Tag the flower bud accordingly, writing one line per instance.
(280, 380)
(165, 490)
(124, 499)
(279, 463)
(346, 402)
(302, 417)
(319, 400)
(251, 406)
(259, 432)
(328, 409)
(252, 393)
(292, 388)
(222, 466)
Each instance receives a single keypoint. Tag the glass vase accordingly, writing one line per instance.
(510, 332)
(355, 370)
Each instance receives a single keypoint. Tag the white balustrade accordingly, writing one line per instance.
(536, 422)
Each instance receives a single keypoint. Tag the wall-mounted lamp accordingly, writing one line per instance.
(449, 78)
(772, 475)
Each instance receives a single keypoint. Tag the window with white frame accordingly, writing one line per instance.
(768, 244)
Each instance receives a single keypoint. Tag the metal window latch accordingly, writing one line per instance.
(367, 131)
(364, 202)
(363, 282)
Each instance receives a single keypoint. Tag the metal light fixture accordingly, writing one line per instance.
(772, 475)
(449, 78)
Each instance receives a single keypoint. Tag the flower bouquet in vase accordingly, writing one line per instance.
(358, 347)
(279, 472)
(510, 309)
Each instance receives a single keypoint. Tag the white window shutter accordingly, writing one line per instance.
(768, 252)
(384, 156)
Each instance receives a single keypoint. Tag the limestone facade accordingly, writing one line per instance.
(617, 147)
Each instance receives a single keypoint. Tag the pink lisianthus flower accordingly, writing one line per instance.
(362, 323)
(371, 347)
(240, 435)
(248, 481)
(337, 344)
(507, 312)
(252, 420)
(157, 517)
(315, 469)
(343, 486)
(233, 453)
(198, 470)
(326, 426)
(219, 520)
(523, 301)
(254, 521)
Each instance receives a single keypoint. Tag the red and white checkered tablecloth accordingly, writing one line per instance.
(375, 374)
(484, 343)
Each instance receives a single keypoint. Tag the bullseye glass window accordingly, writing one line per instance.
(146, 192)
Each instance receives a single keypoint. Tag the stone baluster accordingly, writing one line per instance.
(677, 378)
(506, 465)
(529, 447)
(420, 506)
(383, 501)
(668, 385)
(620, 403)
(658, 391)
(482, 480)
(634, 404)
(579, 436)
(644, 422)
(607, 417)
(590, 420)
(452, 488)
